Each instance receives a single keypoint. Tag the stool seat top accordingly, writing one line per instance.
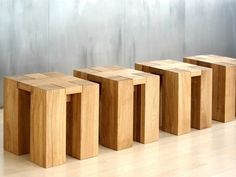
(50, 81)
(214, 59)
(161, 66)
(115, 73)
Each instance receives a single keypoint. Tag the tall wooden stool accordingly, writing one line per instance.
(186, 93)
(223, 84)
(48, 114)
(129, 105)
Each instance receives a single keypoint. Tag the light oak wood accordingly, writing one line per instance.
(82, 123)
(223, 102)
(48, 127)
(147, 100)
(201, 100)
(185, 94)
(176, 97)
(89, 122)
(129, 105)
(11, 126)
(209, 152)
(38, 110)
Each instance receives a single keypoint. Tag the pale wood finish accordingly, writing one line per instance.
(48, 127)
(176, 97)
(209, 152)
(201, 101)
(12, 129)
(89, 122)
(38, 110)
(181, 85)
(129, 105)
(150, 109)
(223, 102)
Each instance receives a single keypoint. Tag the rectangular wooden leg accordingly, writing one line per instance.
(48, 127)
(223, 93)
(116, 120)
(124, 99)
(151, 123)
(16, 118)
(201, 101)
(176, 102)
(160, 105)
(89, 121)
(230, 94)
(11, 117)
(83, 122)
(146, 111)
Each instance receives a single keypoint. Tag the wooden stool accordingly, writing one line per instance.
(35, 118)
(125, 94)
(182, 99)
(223, 106)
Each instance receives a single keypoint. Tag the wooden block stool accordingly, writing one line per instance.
(48, 114)
(186, 94)
(223, 106)
(129, 105)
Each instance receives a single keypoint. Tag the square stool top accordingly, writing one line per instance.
(50, 81)
(213, 59)
(160, 66)
(115, 73)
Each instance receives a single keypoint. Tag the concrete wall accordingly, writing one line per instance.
(59, 35)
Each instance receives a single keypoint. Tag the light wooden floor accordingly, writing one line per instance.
(210, 152)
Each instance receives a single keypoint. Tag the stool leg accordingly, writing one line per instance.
(201, 101)
(16, 118)
(84, 122)
(116, 114)
(176, 102)
(146, 111)
(11, 117)
(223, 93)
(48, 127)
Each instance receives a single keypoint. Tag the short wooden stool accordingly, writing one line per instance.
(125, 94)
(223, 84)
(48, 114)
(186, 93)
